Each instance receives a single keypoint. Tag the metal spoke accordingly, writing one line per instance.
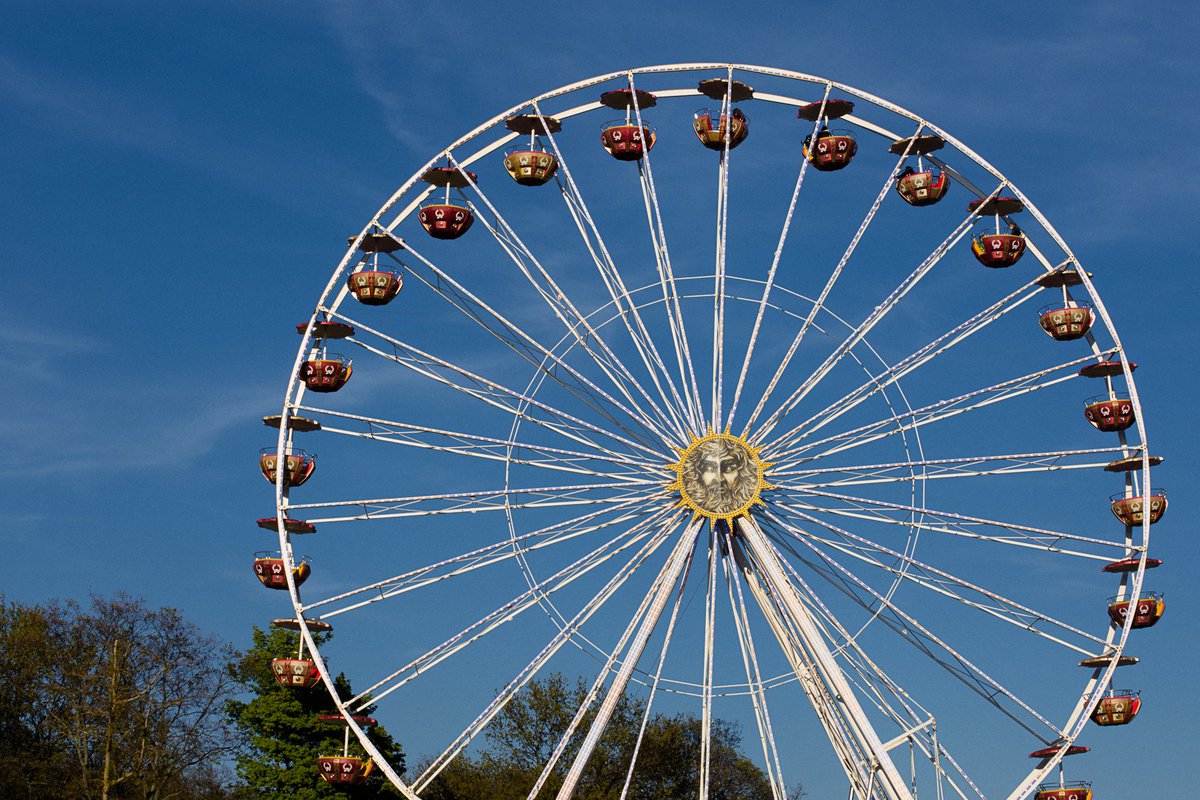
(662, 256)
(657, 678)
(644, 533)
(538, 355)
(493, 393)
(706, 680)
(917, 634)
(850, 341)
(922, 356)
(722, 222)
(489, 500)
(934, 412)
(880, 687)
(919, 731)
(943, 583)
(498, 552)
(648, 615)
(548, 363)
(553, 646)
(567, 313)
(940, 468)
(770, 282)
(615, 285)
(819, 304)
(754, 678)
(860, 751)
(484, 447)
(1017, 535)
(885, 694)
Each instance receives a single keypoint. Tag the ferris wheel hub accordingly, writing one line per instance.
(720, 476)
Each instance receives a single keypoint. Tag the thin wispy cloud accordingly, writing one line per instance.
(373, 59)
(125, 427)
(79, 106)
(23, 333)
(368, 56)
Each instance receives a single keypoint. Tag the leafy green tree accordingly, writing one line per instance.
(523, 736)
(281, 736)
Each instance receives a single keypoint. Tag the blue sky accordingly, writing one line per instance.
(179, 179)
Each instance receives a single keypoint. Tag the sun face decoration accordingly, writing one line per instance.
(719, 476)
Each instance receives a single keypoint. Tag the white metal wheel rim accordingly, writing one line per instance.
(1116, 638)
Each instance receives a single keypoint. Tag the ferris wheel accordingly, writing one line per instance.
(791, 409)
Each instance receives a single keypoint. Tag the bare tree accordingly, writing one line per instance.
(128, 700)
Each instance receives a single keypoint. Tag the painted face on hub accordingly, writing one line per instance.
(720, 476)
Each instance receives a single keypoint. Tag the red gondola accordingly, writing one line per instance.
(998, 250)
(711, 125)
(344, 769)
(271, 571)
(324, 371)
(298, 466)
(1065, 322)
(446, 220)
(1078, 790)
(713, 128)
(922, 187)
(832, 150)
(295, 673)
(375, 285)
(627, 140)
(1147, 611)
(327, 373)
(1118, 707)
(1130, 510)
(1109, 413)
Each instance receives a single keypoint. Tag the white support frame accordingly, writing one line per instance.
(618, 467)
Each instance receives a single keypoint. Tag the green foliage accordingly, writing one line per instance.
(281, 736)
(112, 701)
(32, 758)
(522, 738)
